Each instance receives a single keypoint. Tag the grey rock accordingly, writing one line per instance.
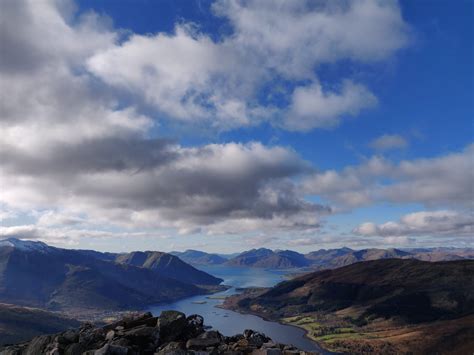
(109, 349)
(74, 349)
(270, 351)
(171, 325)
(38, 345)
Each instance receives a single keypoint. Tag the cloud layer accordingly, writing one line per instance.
(425, 223)
(82, 153)
(435, 182)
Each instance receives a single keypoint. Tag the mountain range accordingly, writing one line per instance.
(197, 257)
(320, 259)
(37, 275)
(381, 306)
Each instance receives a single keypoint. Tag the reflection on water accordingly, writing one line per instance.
(229, 322)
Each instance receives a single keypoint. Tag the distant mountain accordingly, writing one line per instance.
(334, 258)
(266, 258)
(380, 306)
(197, 257)
(18, 324)
(38, 275)
(355, 256)
(323, 257)
(168, 265)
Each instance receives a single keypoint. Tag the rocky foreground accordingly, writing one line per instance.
(137, 334)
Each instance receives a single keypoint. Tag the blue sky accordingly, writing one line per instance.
(226, 125)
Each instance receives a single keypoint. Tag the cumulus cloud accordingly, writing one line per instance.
(77, 145)
(311, 107)
(388, 142)
(425, 223)
(435, 182)
(170, 186)
(190, 77)
(70, 147)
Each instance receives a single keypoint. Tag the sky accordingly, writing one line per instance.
(227, 125)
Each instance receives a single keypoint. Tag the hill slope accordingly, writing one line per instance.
(358, 301)
(34, 274)
(18, 324)
(266, 258)
(197, 257)
(168, 265)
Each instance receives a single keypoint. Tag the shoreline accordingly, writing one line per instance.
(279, 321)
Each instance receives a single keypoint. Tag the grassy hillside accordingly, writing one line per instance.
(346, 307)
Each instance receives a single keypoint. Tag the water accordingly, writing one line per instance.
(229, 322)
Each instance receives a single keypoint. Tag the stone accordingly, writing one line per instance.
(109, 349)
(171, 325)
(110, 335)
(242, 343)
(204, 340)
(133, 320)
(136, 334)
(270, 351)
(194, 326)
(70, 336)
(38, 345)
(143, 335)
(173, 348)
(256, 338)
(74, 349)
(269, 344)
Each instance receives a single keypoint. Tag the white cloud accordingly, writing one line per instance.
(190, 77)
(67, 235)
(69, 147)
(388, 142)
(435, 182)
(424, 223)
(311, 107)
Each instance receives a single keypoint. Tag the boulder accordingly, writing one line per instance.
(194, 326)
(255, 338)
(142, 334)
(109, 349)
(172, 325)
(205, 340)
(270, 351)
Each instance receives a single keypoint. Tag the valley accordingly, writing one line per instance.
(383, 301)
(386, 306)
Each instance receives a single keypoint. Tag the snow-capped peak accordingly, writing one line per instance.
(25, 245)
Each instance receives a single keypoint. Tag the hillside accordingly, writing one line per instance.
(266, 258)
(361, 299)
(169, 266)
(197, 257)
(353, 256)
(18, 324)
(37, 275)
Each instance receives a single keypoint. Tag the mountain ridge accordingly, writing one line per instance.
(334, 258)
(81, 281)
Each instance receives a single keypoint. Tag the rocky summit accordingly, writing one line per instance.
(136, 334)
